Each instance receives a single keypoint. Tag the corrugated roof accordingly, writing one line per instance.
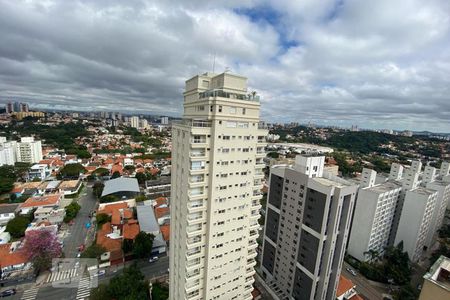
(121, 184)
(146, 218)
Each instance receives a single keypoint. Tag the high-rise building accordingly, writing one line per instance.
(373, 218)
(24, 107)
(17, 107)
(134, 122)
(143, 123)
(307, 224)
(9, 107)
(164, 120)
(217, 162)
(29, 150)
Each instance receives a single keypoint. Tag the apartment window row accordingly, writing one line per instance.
(226, 162)
(233, 137)
(229, 150)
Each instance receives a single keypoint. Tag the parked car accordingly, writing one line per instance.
(153, 259)
(351, 271)
(7, 293)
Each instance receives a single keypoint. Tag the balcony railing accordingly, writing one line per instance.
(262, 125)
(223, 94)
(194, 123)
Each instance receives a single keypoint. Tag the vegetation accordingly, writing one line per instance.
(273, 155)
(17, 226)
(93, 251)
(116, 174)
(159, 292)
(140, 198)
(71, 211)
(97, 188)
(71, 171)
(102, 219)
(131, 284)
(444, 243)
(41, 246)
(9, 174)
(109, 198)
(101, 172)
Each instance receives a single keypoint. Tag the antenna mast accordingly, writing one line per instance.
(214, 62)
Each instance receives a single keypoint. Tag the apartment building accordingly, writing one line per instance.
(134, 122)
(442, 198)
(436, 284)
(217, 162)
(29, 150)
(415, 221)
(307, 224)
(373, 217)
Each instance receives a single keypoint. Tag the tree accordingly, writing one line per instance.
(129, 285)
(142, 245)
(102, 219)
(101, 172)
(373, 255)
(116, 174)
(7, 178)
(71, 171)
(159, 292)
(273, 154)
(140, 198)
(127, 246)
(71, 211)
(93, 251)
(97, 188)
(109, 198)
(17, 226)
(141, 178)
(41, 246)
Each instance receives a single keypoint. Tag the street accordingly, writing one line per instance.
(363, 287)
(150, 270)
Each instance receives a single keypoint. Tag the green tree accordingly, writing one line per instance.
(373, 255)
(97, 188)
(140, 198)
(93, 251)
(273, 154)
(142, 246)
(108, 198)
(127, 245)
(116, 174)
(101, 172)
(141, 178)
(16, 227)
(7, 178)
(102, 219)
(159, 292)
(71, 211)
(71, 171)
(129, 285)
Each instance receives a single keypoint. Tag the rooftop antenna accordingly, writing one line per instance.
(214, 62)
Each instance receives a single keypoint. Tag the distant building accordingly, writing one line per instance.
(29, 150)
(38, 171)
(24, 107)
(8, 150)
(307, 224)
(17, 107)
(134, 122)
(164, 120)
(436, 283)
(158, 188)
(9, 107)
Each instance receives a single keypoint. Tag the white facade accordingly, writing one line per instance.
(372, 220)
(443, 197)
(216, 180)
(415, 221)
(134, 122)
(29, 150)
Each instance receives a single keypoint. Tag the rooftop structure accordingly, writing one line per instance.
(437, 281)
(122, 187)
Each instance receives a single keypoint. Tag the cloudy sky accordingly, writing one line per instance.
(383, 64)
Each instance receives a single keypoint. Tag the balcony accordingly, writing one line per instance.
(252, 254)
(222, 94)
(262, 125)
(250, 272)
(193, 253)
(194, 207)
(192, 286)
(259, 175)
(248, 288)
(194, 230)
(254, 226)
(252, 245)
(194, 123)
(195, 218)
(253, 233)
(197, 153)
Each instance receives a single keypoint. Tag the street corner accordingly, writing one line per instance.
(69, 272)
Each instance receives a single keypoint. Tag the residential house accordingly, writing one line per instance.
(7, 212)
(52, 201)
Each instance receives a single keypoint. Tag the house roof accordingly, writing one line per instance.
(344, 286)
(8, 258)
(8, 208)
(161, 212)
(110, 245)
(69, 184)
(146, 218)
(165, 230)
(130, 231)
(121, 184)
(48, 200)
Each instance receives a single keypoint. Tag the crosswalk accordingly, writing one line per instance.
(62, 275)
(84, 289)
(30, 294)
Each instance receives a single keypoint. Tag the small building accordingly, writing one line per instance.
(147, 219)
(49, 214)
(12, 260)
(346, 290)
(158, 188)
(70, 187)
(7, 212)
(436, 283)
(52, 201)
(122, 188)
(39, 171)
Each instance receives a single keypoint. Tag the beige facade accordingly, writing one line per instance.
(436, 283)
(217, 162)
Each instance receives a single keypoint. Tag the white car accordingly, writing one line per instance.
(153, 259)
(351, 271)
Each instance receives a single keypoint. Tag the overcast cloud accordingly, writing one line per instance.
(383, 64)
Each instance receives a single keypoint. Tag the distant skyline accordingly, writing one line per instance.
(381, 64)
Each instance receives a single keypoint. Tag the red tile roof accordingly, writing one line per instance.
(344, 286)
(165, 230)
(11, 259)
(110, 245)
(161, 212)
(48, 200)
(130, 231)
(160, 201)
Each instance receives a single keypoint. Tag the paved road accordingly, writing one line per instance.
(78, 230)
(49, 293)
(363, 287)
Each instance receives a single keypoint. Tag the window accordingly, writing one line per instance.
(200, 108)
(220, 108)
(243, 124)
(243, 111)
(205, 83)
(226, 137)
(211, 108)
(231, 124)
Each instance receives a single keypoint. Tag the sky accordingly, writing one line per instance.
(375, 64)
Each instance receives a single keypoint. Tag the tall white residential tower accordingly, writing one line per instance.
(217, 165)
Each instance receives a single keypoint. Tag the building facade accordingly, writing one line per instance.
(217, 165)
(134, 122)
(29, 150)
(307, 225)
